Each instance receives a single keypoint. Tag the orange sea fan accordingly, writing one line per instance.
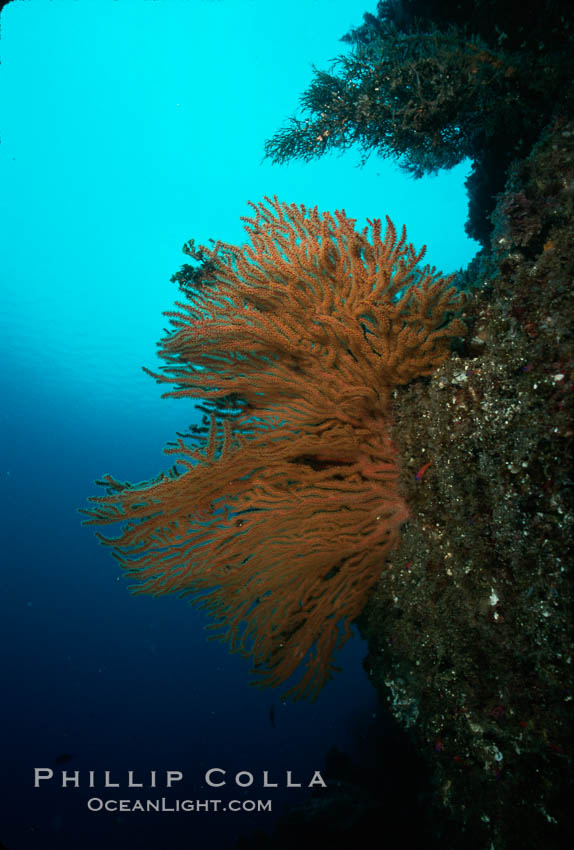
(279, 525)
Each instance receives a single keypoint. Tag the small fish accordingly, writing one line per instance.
(422, 471)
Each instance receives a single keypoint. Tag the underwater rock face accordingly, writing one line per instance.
(473, 623)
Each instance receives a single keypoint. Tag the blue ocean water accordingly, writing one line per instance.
(128, 128)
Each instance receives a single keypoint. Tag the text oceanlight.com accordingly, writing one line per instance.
(96, 804)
